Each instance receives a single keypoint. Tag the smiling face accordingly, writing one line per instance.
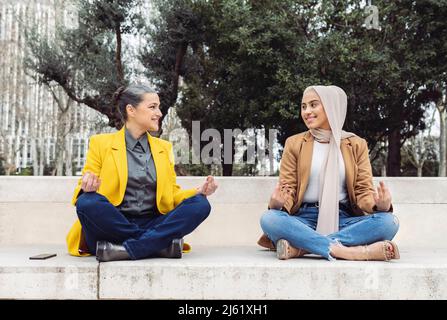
(146, 115)
(312, 111)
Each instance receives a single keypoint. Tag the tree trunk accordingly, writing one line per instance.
(383, 171)
(442, 140)
(394, 157)
(35, 157)
(59, 151)
(419, 171)
(119, 64)
(62, 132)
(227, 169)
(68, 158)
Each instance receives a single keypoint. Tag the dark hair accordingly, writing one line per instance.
(131, 94)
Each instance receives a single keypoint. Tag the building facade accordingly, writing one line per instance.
(34, 132)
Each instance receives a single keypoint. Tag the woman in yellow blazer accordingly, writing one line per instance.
(325, 203)
(127, 201)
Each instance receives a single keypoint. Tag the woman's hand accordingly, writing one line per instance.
(90, 182)
(208, 187)
(279, 195)
(382, 197)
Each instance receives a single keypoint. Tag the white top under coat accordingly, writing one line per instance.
(319, 153)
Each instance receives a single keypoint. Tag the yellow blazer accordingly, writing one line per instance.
(107, 158)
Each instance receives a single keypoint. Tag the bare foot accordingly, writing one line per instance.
(380, 251)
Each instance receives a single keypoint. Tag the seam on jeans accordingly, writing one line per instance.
(86, 217)
(396, 220)
(148, 232)
(180, 204)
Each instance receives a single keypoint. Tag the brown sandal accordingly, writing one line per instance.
(284, 250)
(265, 242)
(386, 253)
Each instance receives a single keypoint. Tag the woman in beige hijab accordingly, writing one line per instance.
(325, 202)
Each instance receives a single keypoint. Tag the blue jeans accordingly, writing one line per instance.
(299, 229)
(142, 237)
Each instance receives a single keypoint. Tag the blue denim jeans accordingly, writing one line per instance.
(299, 229)
(142, 237)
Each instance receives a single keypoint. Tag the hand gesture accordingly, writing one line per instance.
(208, 187)
(90, 182)
(280, 194)
(382, 197)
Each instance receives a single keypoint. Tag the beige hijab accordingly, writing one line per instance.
(335, 103)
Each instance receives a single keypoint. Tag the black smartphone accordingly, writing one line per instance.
(43, 256)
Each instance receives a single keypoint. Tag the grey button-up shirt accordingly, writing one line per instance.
(139, 198)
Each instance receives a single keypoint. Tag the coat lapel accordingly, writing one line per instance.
(158, 154)
(346, 151)
(120, 157)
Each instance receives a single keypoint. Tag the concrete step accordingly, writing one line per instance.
(61, 277)
(221, 273)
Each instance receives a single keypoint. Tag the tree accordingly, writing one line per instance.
(245, 64)
(87, 60)
(2, 169)
(234, 53)
(64, 128)
(431, 29)
(418, 148)
(377, 68)
(174, 28)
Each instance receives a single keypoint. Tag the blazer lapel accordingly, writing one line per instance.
(120, 157)
(346, 150)
(158, 154)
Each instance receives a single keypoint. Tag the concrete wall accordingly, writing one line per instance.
(38, 210)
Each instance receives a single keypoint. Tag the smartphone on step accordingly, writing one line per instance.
(42, 256)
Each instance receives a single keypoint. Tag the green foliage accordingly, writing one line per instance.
(245, 63)
(28, 171)
(2, 168)
(86, 60)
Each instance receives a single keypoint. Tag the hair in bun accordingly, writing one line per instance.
(117, 94)
(131, 94)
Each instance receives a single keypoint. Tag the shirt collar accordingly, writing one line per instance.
(131, 142)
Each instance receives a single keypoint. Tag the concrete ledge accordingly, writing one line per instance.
(252, 273)
(222, 273)
(225, 262)
(61, 277)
